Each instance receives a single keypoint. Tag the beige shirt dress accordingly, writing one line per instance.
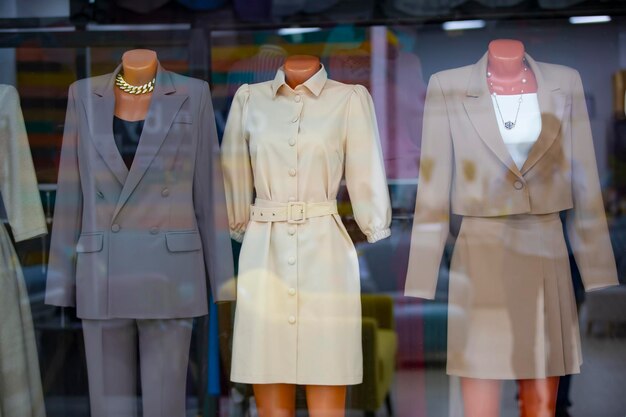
(298, 315)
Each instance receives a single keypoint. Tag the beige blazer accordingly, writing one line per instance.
(466, 166)
(21, 394)
(140, 243)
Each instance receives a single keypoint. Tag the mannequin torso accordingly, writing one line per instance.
(513, 89)
(279, 399)
(139, 66)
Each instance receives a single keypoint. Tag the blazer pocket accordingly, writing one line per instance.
(183, 118)
(90, 243)
(183, 241)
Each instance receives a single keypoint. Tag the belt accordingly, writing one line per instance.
(295, 212)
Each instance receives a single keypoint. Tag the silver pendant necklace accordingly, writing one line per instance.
(508, 124)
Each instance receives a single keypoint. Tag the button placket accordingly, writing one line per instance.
(292, 229)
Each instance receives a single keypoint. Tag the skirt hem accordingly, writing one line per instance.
(465, 374)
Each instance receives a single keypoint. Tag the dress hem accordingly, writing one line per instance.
(250, 379)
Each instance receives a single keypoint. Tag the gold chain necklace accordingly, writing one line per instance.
(134, 89)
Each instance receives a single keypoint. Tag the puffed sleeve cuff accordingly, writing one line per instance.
(379, 235)
(29, 234)
(426, 295)
(598, 285)
(238, 236)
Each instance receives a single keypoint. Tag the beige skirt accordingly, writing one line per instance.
(512, 313)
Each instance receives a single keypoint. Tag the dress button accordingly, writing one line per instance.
(298, 99)
(292, 320)
(292, 172)
(154, 230)
(292, 230)
(115, 228)
(291, 260)
(165, 192)
(292, 291)
(518, 185)
(292, 199)
(292, 142)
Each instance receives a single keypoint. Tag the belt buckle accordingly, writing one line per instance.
(298, 206)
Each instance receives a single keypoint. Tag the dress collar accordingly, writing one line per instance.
(315, 84)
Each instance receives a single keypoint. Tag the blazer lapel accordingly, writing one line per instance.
(552, 106)
(479, 108)
(163, 108)
(101, 124)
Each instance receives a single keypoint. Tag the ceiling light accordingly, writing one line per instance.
(584, 20)
(464, 24)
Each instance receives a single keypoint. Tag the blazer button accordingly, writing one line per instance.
(291, 260)
(165, 192)
(292, 320)
(115, 228)
(154, 230)
(518, 185)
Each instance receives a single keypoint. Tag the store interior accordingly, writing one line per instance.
(391, 47)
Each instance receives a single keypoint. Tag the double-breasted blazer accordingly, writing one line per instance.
(140, 243)
(466, 167)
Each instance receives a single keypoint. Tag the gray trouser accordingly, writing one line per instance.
(111, 350)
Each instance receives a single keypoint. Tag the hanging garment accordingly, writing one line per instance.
(298, 315)
(512, 312)
(20, 381)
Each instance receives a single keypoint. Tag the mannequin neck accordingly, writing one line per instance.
(507, 72)
(506, 58)
(139, 66)
(299, 68)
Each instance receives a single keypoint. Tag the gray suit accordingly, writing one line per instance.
(139, 243)
(132, 249)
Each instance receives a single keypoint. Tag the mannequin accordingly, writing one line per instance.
(278, 400)
(139, 67)
(138, 281)
(507, 74)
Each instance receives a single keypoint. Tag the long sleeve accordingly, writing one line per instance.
(18, 183)
(365, 170)
(432, 205)
(210, 205)
(586, 222)
(66, 225)
(237, 167)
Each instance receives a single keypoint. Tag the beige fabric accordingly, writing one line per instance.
(465, 164)
(293, 212)
(513, 317)
(298, 316)
(17, 175)
(20, 381)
